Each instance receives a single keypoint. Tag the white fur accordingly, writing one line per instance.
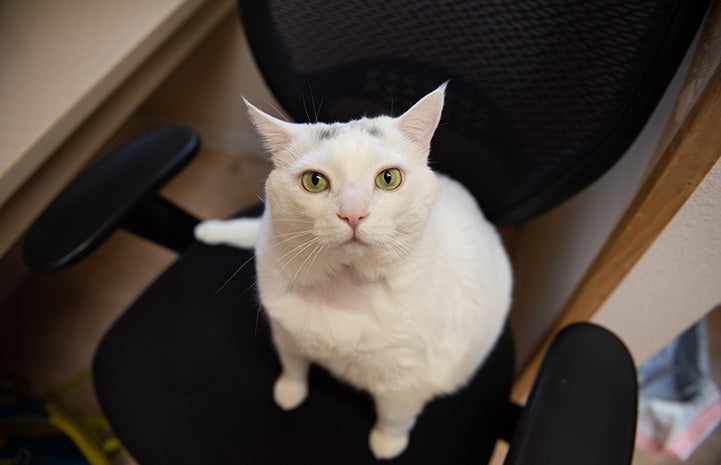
(239, 232)
(407, 315)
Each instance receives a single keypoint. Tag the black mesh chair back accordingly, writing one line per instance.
(544, 95)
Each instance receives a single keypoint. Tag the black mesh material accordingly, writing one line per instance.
(544, 95)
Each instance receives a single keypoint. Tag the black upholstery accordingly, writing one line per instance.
(544, 97)
(138, 169)
(581, 358)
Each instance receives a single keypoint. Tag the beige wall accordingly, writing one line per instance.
(677, 281)
(206, 93)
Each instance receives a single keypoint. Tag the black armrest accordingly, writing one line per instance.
(582, 408)
(118, 191)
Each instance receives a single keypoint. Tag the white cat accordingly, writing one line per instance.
(371, 265)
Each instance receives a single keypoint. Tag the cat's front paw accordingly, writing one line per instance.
(387, 446)
(209, 232)
(289, 393)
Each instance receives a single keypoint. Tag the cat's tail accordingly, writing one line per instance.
(238, 232)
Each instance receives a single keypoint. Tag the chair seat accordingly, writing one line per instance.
(193, 363)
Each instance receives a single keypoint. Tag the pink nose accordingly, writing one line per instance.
(353, 216)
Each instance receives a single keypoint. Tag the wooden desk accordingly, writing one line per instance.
(71, 73)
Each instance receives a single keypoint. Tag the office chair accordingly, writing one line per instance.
(544, 97)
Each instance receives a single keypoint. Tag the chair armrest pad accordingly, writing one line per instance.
(97, 202)
(582, 408)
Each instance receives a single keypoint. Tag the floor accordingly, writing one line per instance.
(52, 323)
(710, 451)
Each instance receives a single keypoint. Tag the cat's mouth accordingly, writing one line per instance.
(355, 240)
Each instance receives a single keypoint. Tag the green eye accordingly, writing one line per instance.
(314, 182)
(389, 179)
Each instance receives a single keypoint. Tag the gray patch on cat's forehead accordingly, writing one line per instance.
(373, 131)
(328, 132)
(366, 125)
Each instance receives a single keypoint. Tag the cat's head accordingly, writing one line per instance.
(361, 189)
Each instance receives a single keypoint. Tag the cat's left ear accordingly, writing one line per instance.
(277, 134)
(419, 123)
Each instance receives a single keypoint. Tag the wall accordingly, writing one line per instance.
(206, 93)
(677, 281)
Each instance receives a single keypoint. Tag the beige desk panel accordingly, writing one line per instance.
(59, 60)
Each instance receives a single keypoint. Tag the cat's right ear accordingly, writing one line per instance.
(420, 122)
(276, 134)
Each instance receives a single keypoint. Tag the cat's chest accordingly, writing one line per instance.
(342, 298)
(347, 292)
(343, 314)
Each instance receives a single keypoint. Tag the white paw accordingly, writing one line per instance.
(210, 232)
(289, 393)
(386, 446)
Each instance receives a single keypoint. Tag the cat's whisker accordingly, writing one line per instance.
(297, 251)
(402, 238)
(300, 252)
(302, 265)
(282, 116)
(304, 232)
(313, 260)
(259, 195)
(395, 252)
(312, 99)
(291, 220)
(291, 251)
(289, 237)
(304, 107)
(286, 240)
(311, 240)
(252, 285)
(235, 273)
(394, 240)
(316, 253)
(319, 106)
(398, 246)
(306, 266)
(280, 239)
(257, 319)
(405, 244)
